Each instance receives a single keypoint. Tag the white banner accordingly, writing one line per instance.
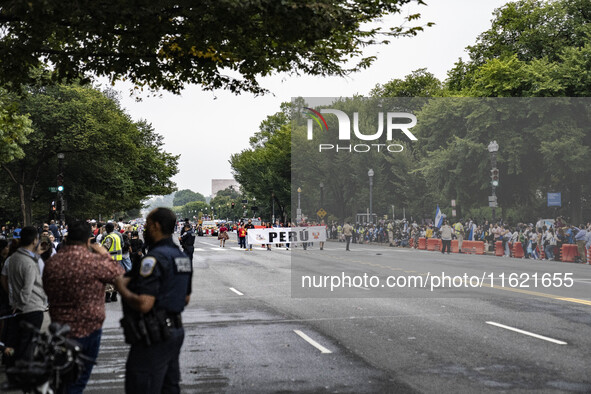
(282, 235)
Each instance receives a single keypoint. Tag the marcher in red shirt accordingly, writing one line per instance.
(223, 235)
(242, 236)
(74, 280)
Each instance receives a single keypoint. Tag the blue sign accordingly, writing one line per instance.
(554, 200)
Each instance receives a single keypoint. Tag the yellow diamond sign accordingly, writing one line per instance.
(321, 213)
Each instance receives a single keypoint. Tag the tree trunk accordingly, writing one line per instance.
(24, 210)
(576, 206)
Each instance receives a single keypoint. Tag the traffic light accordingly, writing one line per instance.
(60, 183)
(494, 176)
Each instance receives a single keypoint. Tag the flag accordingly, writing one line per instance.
(438, 218)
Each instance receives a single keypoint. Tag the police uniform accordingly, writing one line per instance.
(188, 242)
(165, 273)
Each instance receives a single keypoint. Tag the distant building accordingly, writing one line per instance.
(221, 184)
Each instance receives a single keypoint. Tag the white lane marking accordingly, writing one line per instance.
(531, 334)
(236, 291)
(236, 248)
(364, 288)
(313, 342)
(199, 250)
(218, 249)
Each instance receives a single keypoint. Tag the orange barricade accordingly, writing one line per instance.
(589, 256)
(542, 252)
(434, 244)
(499, 248)
(517, 250)
(454, 246)
(476, 247)
(569, 252)
(423, 243)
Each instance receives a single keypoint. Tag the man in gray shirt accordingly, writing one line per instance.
(28, 298)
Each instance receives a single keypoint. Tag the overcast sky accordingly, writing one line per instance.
(205, 128)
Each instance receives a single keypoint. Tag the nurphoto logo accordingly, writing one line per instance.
(395, 121)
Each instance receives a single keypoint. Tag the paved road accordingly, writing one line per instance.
(252, 328)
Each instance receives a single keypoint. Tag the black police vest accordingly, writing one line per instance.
(188, 238)
(176, 274)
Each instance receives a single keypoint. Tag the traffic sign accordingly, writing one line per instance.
(321, 213)
(554, 200)
(53, 189)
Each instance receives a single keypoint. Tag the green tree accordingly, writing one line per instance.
(192, 209)
(533, 48)
(163, 45)
(111, 163)
(182, 197)
(264, 169)
(229, 192)
(14, 128)
(420, 83)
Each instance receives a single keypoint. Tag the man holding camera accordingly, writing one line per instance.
(154, 294)
(75, 280)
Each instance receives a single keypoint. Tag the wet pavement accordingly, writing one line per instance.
(247, 331)
(244, 350)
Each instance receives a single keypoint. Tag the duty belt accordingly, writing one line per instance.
(175, 319)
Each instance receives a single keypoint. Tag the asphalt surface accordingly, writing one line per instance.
(252, 328)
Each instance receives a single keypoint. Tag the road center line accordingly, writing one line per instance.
(531, 334)
(236, 291)
(313, 342)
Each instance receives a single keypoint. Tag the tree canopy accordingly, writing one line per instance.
(14, 128)
(533, 49)
(264, 169)
(215, 44)
(111, 163)
(184, 196)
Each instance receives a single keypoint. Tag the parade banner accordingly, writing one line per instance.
(281, 235)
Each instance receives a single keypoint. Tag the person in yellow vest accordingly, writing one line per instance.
(459, 231)
(429, 232)
(113, 242)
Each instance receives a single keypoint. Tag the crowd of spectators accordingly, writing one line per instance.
(545, 236)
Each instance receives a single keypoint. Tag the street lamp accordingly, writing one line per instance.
(370, 174)
(60, 186)
(273, 207)
(299, 211)
(493, 148)
(321, 195)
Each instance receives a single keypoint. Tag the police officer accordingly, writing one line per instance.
(156, 292)
(187, 240)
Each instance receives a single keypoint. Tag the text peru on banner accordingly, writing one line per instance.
(263, 236)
